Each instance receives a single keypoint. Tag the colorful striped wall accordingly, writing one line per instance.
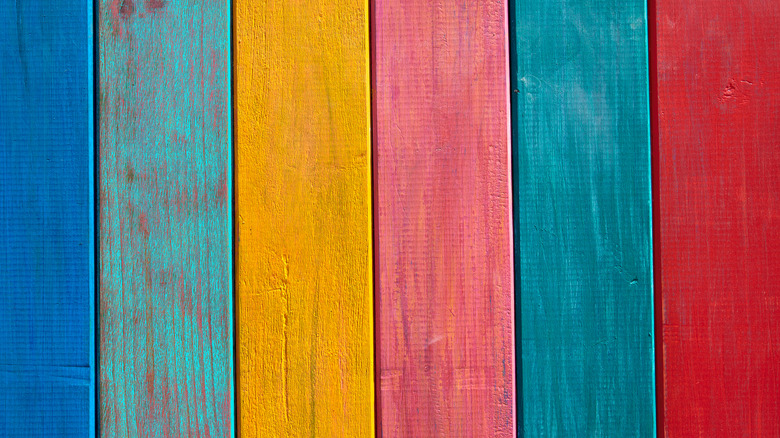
(391, 218)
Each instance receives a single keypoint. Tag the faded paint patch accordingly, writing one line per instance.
(155, 5)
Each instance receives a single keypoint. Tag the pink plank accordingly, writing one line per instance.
(445, 313)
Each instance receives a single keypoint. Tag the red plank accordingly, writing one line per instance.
(718, 156)
(443, 219)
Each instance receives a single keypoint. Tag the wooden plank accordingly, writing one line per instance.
(47, 374)
(718, 91)
(303, 219)
(443, 219)
(583, 242)
(166, 328)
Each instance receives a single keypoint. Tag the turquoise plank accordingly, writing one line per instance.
(583, 260)
(46, 220)
(166, 321)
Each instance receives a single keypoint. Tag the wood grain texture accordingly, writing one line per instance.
(303, 219)
(443, 219)
(583, 259)
(47, 372)
(165, 231)
(718, 91)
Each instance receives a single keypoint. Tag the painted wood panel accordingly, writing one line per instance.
(718, 91)
(47, 370)
(443, 219)
(583, 246)
(166, 328)
(303, 219)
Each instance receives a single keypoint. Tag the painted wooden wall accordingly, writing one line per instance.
(303, 219)
(445, 335)
(443, 219)
(718, 90)
(46, 218)
(583, 253)
(165, 231)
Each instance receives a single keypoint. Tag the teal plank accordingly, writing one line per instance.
(47, 360)
(583, 261)
(166, 359)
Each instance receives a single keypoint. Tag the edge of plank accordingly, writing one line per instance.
(655, 220)
(94, 270)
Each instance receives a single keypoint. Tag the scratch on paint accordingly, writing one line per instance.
(434, 340)
(286, 332)
(21, 43)
(736, 91)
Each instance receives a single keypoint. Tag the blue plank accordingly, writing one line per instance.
(583, 260)
(46, 220)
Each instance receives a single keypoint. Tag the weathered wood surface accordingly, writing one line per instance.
(583, 253)
(165, 230)
(443, 219)
(718, 90)
(303, 219)
(46, 220)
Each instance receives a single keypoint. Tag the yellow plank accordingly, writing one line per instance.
(303, 218)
